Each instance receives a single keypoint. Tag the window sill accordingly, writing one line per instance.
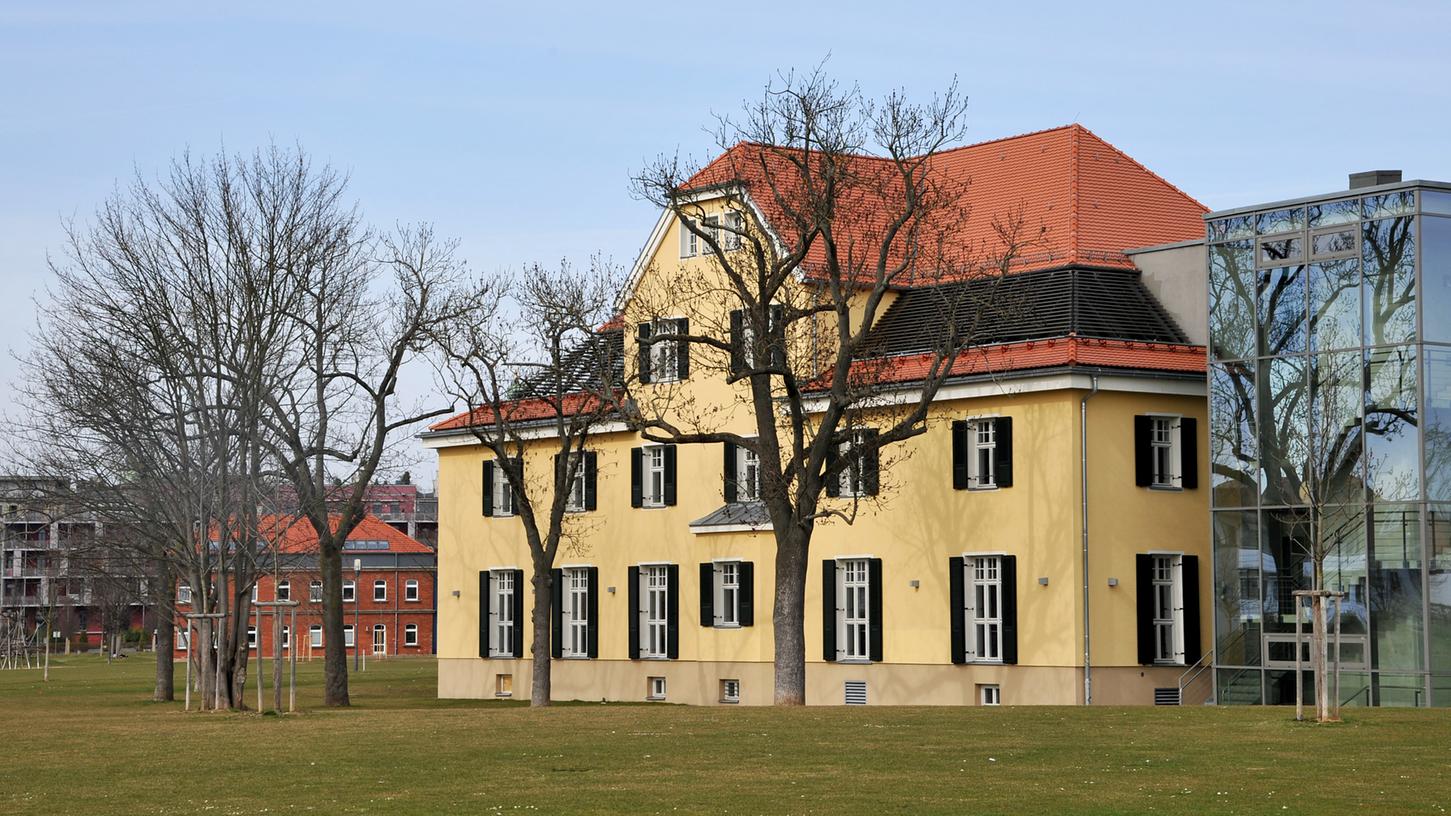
(652, 507)
(656, 658)
(970, 662)
(1166, 488)
(501, 515)
(855, 661)
(573, 657)
(726, 626)
(983, 489)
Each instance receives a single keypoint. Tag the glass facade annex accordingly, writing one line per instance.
(1330, 388)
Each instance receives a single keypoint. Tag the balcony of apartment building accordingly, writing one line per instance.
(27, 533)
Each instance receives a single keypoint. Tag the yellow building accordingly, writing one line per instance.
(1048, 529)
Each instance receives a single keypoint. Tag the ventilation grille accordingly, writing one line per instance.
(856, 692)
(1166, 696)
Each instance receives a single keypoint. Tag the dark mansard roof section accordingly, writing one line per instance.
(580, 368)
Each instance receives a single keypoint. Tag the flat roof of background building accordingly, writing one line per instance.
(1356, 193)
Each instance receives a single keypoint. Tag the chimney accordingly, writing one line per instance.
(1371, 178)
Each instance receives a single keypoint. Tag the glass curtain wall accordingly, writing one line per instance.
(1330, 434)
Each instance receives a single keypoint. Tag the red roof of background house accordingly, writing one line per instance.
(299, 537)
(1090, 200)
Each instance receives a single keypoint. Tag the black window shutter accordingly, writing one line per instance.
(1189, 453)
(870, 462)
(592, 603)
(707, 594)
(746, 593)
(643, 336)
(833, 480)
(556, 599)
(561, 470)
(729, 471)
(518, 613)
(670, 475)
(1189, 575)
(483, 613)
(874, 592)
(672, 611)
(1143, 451)
(776, 332)
(828, 609)
(488, 488)
(637, 477)
(682, 350)
(1003, 451)
(1144, 583)
(957, 609)
(959, 455)
(1008, 573)
(591, 470)
(633, 595)
(738, 342)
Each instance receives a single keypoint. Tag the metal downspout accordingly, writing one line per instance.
(1083, 514)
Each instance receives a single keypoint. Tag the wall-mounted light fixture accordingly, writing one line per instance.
(456, 593)
(610, 590)
(915, 584)
(1113, 582)
(1043, 581)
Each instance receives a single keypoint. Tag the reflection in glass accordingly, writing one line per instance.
(1232, 434)
(1284, 430)
(1436, 411)
(1269, 223)
(1335, 242)
(1392, 425)
(1335, 304)
(1281, 307)
(1436, 201)
(1229, 229)
(1334, 212)
(1389, 254)
(1238, 603)
(1231, 300)
(1335, 428)
(1403, 203)
(1396, 640)
(1435, 247)
(1438, 589)
(1280, 251)
(1285, 565)
(1400, 690)
(1342, 540)
(1238, 687)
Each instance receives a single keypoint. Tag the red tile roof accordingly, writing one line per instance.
(525, 410)
(1090, 200)
(1039, 354)
(299, 537)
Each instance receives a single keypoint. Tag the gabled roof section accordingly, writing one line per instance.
(1090, 199)
(294, 535)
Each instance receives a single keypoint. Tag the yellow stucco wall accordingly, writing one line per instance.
(918, 522)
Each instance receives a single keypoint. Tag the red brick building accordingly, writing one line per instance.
(389, 593)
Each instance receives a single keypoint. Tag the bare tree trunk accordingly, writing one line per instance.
(165, 666)
(540, 689)
(786, 618)
(335, 651)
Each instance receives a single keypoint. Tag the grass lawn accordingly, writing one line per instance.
(89, 742)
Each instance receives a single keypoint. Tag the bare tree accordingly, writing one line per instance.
(530, 359)
(823, 205)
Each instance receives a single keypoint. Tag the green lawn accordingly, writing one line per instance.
(89, 742)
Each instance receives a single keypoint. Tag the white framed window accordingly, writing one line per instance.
(855, 479)
(727, 593)
(314, 591)
(730, 691)
(690, 243)
(730, 239)
(982, 437)
(380, 591)
(410, 590)
(410, 634)
(1164, 446)
(182, 644)
(502, 612)
(503, 491)
(748, 475)
(1168, 601)
(854, 605)
(255, 588)
(984, 611)
(653, 624)
(380, 639)
(575, 612)
(665, 355)
(503, 685)
(989, 694)
(653, 477)
(251, 637)
(655, 688)
(349, 592)
(574, 502)
(284, 590)
(348, 640)
(286, 638)
(183, 594)
(314, 636)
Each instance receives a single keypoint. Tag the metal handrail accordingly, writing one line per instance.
(1194, 672)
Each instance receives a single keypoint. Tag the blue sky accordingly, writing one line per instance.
(516, 128)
